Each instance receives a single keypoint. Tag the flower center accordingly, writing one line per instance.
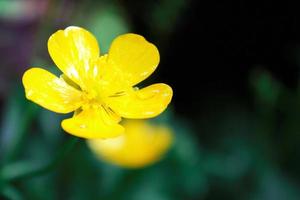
(92, 98)
(91, 95)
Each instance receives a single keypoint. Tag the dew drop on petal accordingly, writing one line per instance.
(82, 126)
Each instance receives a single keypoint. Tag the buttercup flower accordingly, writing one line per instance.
(141, 145)
(100, 89)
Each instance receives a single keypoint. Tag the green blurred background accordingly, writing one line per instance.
(234, 69)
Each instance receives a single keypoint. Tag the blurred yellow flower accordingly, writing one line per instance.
(100, 89)
(141, 145)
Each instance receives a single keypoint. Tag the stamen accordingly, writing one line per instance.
(104, 107)
(118, 94)
(110, 112)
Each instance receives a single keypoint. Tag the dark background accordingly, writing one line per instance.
(216, 45)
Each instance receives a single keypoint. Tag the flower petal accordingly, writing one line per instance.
(92, 123)
(141, 145)
(50, 92)
(133, 56)
(145, 103)
(74, 51)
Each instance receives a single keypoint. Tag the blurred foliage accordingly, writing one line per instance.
(229, 150)
(107, 24)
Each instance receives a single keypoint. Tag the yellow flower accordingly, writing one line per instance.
(141, 145)
(100, 89)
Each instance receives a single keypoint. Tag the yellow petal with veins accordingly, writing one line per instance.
(93, 123)
(50, 92)
(133, 56)
(75, 52)
(145, 103)
(141, 145)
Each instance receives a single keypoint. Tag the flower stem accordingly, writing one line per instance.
(65, 150)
